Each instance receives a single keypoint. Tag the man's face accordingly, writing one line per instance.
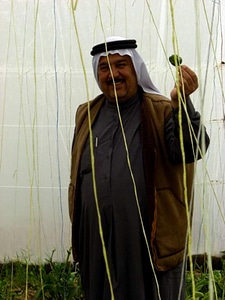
(124, 76)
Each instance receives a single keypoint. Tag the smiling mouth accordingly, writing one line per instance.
(117, 81)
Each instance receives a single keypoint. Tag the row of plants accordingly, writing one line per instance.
(52, 280)
(61, 281)
(207, 285)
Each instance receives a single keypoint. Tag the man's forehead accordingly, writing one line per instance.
(113, 58)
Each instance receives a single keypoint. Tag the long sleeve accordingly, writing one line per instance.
(195, 138)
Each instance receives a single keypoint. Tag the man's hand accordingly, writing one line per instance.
(187, 84)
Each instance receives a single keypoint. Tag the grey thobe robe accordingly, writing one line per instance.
(123, 236)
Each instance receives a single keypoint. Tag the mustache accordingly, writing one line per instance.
(116, 80)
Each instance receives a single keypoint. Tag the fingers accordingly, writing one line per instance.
(188, 80)
(187, 83)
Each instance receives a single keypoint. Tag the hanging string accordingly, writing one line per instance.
(181, 104)
(93, 167)
(57, 127)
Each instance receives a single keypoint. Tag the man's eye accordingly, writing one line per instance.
(121, 65)
(103, 68)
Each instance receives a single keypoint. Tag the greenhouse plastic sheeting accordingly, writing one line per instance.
(46, 72)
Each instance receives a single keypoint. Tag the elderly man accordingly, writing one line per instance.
(131, 177)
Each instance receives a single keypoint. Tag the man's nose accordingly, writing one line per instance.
(114, 72)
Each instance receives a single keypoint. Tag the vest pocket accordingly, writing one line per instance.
(171, 224)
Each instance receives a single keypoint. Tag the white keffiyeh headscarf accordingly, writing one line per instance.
(143, 77)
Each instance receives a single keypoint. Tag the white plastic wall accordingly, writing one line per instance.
(45, 73)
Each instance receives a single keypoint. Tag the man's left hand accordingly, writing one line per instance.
(187, 84)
